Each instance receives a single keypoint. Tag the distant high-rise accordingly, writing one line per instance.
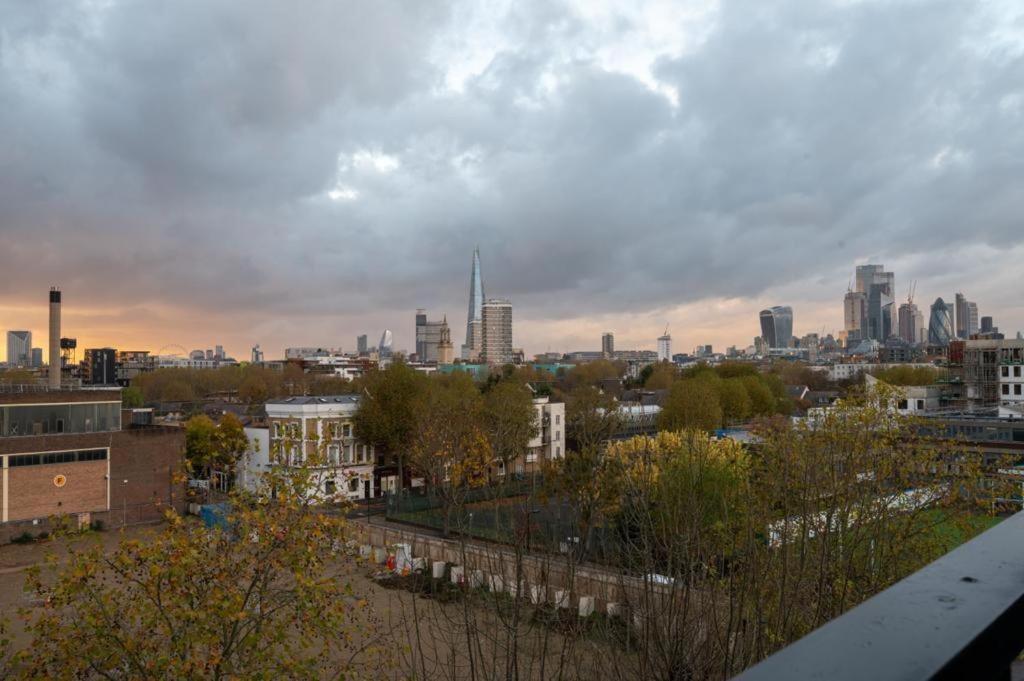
(987, 325)
(911, 324)
(940, 324)
(384, 347)
(362, 344)
(257, 354)
(777, 326)
(218, 352)
(665, 347)
(428, 335)
(19, 348)
(37, 358)
(474, 317)
(101, 366)
(496, 327)
(608, 345)
(879, 289)
(966, 316)
(445, 350)
(855, 314)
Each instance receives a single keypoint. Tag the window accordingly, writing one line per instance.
(1006, 388)
(558, 419)
(920, 405)
(346, 430)
(330, 488)
(348, 453)
(278, 430)
(1006, 372)
(902, 404)
(1016, 389)
(333, 453)
(1016, 372)
(56, 457)
(353, 485)
(558, 435)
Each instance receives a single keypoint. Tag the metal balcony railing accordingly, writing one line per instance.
(960, 617)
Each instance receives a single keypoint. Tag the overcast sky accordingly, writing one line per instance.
(205, 171)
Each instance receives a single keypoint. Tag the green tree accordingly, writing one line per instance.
(661, 376)
(762, 401)
(450, 448)
(591, 418)
(229, 443)
(387, 417)
(131, 398)
(200, 447)
(510, 420)
(268, 598)
(735, 401)
(692, 403)
(17, 377)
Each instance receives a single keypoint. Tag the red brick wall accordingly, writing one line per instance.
(32, 493)
(148, 458)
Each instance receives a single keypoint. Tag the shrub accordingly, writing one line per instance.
(23, 538)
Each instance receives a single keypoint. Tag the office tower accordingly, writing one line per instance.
(218, 352)
(911, 323)
(37, 358)
(101, 366)
(54, 371)
(665, 347)
(257, 354)
(940, 324)
(608, 345)
(428, 335)
(445, 350)
(777, 326)
(987, 325)
(855, 314)
(209, 354)
(384, 347)
(362, 344)
(879, 289)
(19, 348)
(474, 317)
(496, 327)
(966, 316)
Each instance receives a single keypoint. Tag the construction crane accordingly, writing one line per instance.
(913, 290)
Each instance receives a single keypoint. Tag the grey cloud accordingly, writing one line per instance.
(188, 148)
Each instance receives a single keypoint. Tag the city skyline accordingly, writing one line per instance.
(590, 149)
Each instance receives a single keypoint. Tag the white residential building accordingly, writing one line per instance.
(313, 430)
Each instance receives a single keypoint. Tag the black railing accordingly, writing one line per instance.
(961, 617)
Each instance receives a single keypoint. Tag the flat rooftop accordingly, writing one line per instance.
(316, 399)
(41, 394)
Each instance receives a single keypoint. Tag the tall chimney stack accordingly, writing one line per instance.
(55, 368)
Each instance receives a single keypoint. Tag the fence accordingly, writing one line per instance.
(123, 516)
(516, 512)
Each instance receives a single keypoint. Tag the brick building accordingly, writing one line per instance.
(66, 452)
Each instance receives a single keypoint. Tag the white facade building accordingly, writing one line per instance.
(665, 348)
(314, 431)
(1011, 383)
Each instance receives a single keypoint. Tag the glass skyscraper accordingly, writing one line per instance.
(777, 326)
(940, 324)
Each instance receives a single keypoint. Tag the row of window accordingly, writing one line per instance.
(293, 430)
(1006, 371)
(80, 455)
(1016, 388)
(47, 419)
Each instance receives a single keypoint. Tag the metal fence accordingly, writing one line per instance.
(515, 513)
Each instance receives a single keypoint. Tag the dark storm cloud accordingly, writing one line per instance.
(227, 156)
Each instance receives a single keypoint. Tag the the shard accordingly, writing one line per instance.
(474, 317)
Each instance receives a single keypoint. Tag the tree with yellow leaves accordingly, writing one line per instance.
(265, 596)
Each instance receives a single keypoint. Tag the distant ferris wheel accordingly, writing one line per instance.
(178, 351)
